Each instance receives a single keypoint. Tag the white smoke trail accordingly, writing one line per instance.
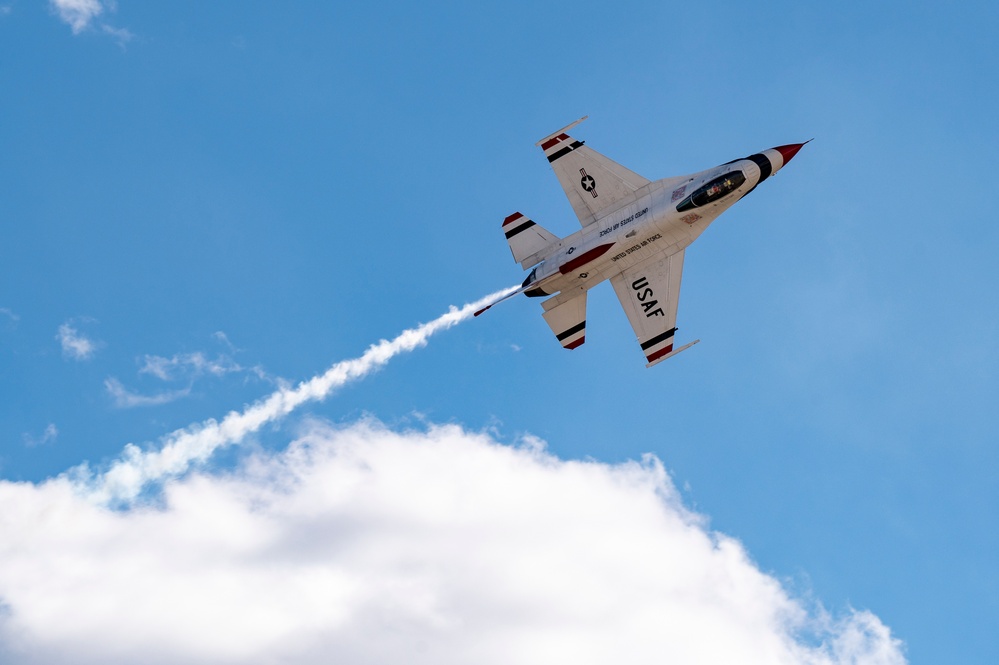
(126, 477)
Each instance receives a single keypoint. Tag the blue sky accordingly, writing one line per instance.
(202, 204)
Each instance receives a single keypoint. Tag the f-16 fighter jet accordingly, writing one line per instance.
(634, 233)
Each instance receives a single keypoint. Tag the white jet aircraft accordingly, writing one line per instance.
(634, 233)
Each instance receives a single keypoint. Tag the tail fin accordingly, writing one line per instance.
(526, 238)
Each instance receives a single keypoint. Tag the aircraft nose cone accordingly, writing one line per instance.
(789, 151)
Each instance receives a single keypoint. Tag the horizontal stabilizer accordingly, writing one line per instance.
(526, 238)
(568, 321)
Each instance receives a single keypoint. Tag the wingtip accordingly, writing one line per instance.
(670, 354)
(564, 129)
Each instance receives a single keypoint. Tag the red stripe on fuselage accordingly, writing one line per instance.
(585, 258)
(573, 345)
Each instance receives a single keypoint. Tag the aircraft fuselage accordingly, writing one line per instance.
(634, 233)
(664, 216)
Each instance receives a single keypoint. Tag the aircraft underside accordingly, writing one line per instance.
(634, 233)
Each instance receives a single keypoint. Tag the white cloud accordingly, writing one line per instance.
(190, 367)
(48, 436)
(6, 312)
(81, 15)
(222, 337)
(128, 475)
(78, 14)
(187, 366)
(123, 35)
(74, 344)
(364, 545)
(126, 399)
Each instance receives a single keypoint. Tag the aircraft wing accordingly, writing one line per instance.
(591, 182)
(649, 293)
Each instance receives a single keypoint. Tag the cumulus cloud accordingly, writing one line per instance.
(359, 544)
(74, 344)
(126, 399)
(126, 477)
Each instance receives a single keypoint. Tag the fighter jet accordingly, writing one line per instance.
(634, 233)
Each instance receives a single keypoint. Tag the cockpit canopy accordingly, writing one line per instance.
(718, 188)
